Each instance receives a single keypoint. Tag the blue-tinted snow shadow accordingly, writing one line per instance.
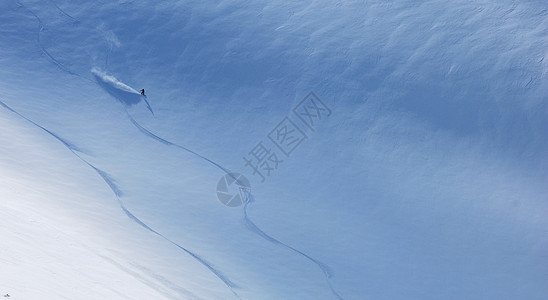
(122, 92)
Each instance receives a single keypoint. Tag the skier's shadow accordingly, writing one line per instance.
(123, 93)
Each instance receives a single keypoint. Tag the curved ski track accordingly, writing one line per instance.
(50, 57)
(118, 193)
(249, 223)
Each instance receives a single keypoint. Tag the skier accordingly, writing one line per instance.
(143, 92)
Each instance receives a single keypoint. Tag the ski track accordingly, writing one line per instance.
(255, 229)
(148, 282)
(74, 20)
(168, 143)
(112, 185)
(249, 223)
(118, 193)
(50, 57)
(166, 282)
(148, 104)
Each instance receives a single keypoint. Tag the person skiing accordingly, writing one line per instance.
(143, 92)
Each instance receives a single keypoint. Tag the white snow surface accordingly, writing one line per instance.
(427, 180)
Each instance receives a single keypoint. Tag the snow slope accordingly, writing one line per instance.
(425, 177)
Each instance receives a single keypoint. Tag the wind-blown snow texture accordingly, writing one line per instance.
(427, 181)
